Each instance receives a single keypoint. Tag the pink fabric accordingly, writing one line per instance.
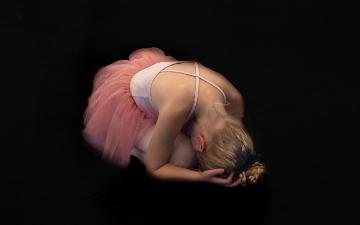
(113, 122)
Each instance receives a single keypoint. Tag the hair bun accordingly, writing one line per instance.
(255, 173)
(246, 161)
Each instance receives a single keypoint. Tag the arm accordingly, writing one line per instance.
(176, 173)
(234, 97)
(236, 107)
(162, 144)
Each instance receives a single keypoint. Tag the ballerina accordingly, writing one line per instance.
(149, 107)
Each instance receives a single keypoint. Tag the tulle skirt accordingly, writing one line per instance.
(113, 122)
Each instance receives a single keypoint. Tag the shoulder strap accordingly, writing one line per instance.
(197, 76)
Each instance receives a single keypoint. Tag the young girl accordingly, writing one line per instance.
(182, 120)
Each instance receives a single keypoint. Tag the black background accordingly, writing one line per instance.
(293, 61)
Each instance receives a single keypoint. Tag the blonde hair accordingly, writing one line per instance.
(224, 150)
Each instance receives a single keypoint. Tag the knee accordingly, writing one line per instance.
(144, 139)
(183, 154)
(181, 141)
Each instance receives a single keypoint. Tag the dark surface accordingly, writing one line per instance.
(293, 61)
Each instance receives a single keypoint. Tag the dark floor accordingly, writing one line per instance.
(293, 61)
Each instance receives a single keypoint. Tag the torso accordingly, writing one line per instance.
(166, 85)
(176, 83)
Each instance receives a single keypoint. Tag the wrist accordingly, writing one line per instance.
(200, 177)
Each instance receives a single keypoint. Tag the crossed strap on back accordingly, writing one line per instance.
(197, 79)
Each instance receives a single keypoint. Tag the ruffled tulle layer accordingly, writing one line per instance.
(113, 122)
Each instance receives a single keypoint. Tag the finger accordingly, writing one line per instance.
(220, 181)
(227, 180)
(223, 181)
(230, 177)
(235, 183)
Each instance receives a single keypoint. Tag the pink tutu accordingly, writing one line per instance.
(113, 122)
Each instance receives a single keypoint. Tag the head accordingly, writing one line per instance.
(221, 140)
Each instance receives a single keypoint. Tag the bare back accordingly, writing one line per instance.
(169, 84)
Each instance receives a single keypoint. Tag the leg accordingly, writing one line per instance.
(183, 154)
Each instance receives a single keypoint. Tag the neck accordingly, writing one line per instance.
(203, 107)
(206, 116)
(213, 110)
(208, 112)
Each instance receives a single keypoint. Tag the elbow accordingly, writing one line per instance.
(153, 174)
(158, 172)
(152, 171)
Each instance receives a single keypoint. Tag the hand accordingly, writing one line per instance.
(210, 177)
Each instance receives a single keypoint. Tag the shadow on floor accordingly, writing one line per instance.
(136, 199)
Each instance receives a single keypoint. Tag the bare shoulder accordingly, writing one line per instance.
(171, 119)
(177, 101)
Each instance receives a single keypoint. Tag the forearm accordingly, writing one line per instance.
(175, 173)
